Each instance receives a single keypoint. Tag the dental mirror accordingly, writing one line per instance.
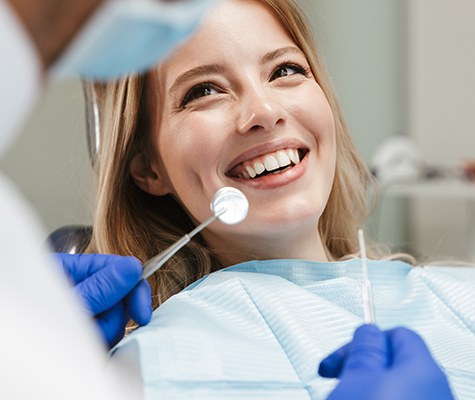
(228, 204)
(233, 202)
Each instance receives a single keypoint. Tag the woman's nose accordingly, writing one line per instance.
(259, 111)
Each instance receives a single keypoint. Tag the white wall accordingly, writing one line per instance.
(49, 162)
(364, 45)
(441, 74)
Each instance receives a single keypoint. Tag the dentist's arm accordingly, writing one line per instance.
(109, 287)
(391, 365)
(52, 24)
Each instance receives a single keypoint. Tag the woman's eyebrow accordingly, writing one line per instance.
(272, 55)
(193, 73)
(209, 69)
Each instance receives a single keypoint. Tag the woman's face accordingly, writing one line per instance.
(240, 107)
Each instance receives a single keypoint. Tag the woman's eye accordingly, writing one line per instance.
(287, 70)
(202, 90)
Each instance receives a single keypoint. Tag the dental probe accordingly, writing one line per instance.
(368, 303)
(228, 204)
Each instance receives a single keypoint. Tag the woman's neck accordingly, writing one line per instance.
(305, 245)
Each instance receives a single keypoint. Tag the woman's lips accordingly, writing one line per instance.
(271, 163)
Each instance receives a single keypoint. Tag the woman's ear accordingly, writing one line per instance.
(147, 176)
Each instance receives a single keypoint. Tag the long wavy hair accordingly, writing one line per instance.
(129, 221)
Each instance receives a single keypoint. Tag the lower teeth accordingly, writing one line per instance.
(281, 170)
(277, 171)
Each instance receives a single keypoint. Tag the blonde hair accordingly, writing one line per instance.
(129, 221)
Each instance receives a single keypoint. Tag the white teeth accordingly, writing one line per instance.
(250, 171)
(283, 158)
(294, 156)
(271, 163)
(259, 167)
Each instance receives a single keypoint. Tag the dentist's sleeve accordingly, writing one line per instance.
(49, 348)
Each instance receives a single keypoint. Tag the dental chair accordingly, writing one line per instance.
(74, 239)
(70, 239)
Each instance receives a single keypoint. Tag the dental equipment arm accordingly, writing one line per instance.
(389, 365)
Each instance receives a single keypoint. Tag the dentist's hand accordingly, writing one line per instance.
(391, 365)
(107, 286)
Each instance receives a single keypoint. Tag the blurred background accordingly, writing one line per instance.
(399, 67)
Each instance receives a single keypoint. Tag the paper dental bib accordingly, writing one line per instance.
(258, 330)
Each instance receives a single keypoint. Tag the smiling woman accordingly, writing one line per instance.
(222, 113)
(245, 103)
(228, 110)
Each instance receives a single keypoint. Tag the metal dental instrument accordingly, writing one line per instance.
(368, 303)
(228, 204)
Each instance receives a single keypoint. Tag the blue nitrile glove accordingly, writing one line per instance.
(391, 365)
(107, 286)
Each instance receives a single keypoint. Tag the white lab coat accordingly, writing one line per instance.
(48, 347)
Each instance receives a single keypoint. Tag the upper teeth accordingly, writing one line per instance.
(270, 162)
